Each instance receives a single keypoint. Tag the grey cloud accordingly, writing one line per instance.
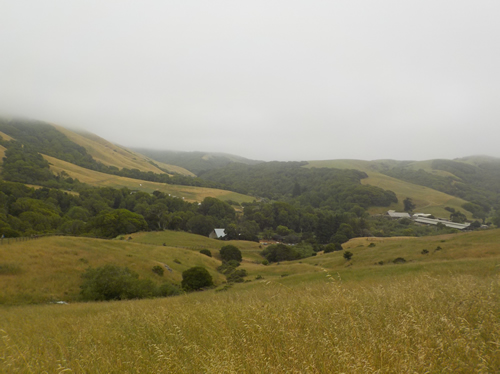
(286, 80)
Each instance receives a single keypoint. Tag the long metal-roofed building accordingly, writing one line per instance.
(432, 221)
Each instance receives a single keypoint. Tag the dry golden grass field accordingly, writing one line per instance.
(2, 154)
(437, 313)
(426, 199)
(5, 136)
(95, 178)
(420, 324)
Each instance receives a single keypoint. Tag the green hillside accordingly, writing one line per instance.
(427, 200)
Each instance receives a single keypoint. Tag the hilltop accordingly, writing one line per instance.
(195, 162)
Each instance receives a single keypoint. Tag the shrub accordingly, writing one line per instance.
(206, 252)
(196, 278)
(168, 289)
(230, 252)
(157, 269)
(280, 252)
(111, 282)
(237, 276)
(399, 260)
(371, 245)
(347, 255)
(438, 248)
(177, 261)
(317, 247)
(424, 251)
(333, 247)
(228, 267)
(265, 262)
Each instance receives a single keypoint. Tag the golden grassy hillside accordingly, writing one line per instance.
(436, 313)
(250, 250)
(2, 153)
(446, 323)
(5, 136)
(426, 199)
(95, 178)
(49, 269)
(114, 155)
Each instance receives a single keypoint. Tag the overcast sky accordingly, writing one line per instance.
(269, 80)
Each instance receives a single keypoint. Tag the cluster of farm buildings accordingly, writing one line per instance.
(426, 220)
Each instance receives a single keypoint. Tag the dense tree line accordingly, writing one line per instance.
(317, 187)
(104, 212)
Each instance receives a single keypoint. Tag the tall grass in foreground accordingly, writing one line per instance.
(445, 324)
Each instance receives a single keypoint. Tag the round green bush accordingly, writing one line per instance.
(230, 252)
(333, 247)
(196, 278)
(206, 252)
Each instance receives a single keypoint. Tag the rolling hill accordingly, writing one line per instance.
(427, 200)
(95, 178)
(49, 269)
(113, 155)
(195, 162)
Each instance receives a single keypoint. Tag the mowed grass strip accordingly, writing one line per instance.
(49, 269)
(98, 179)
(419, 324)
(426, 199)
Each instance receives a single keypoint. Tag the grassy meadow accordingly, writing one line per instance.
(95, 178)
(183, 239)
(49, 269)
(437, 313)
(420, 324)
(426, 199)
(5, 136)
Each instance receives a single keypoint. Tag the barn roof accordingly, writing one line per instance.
(220, 233)
(394, 214)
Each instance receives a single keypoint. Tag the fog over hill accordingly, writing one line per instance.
(281, 80)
